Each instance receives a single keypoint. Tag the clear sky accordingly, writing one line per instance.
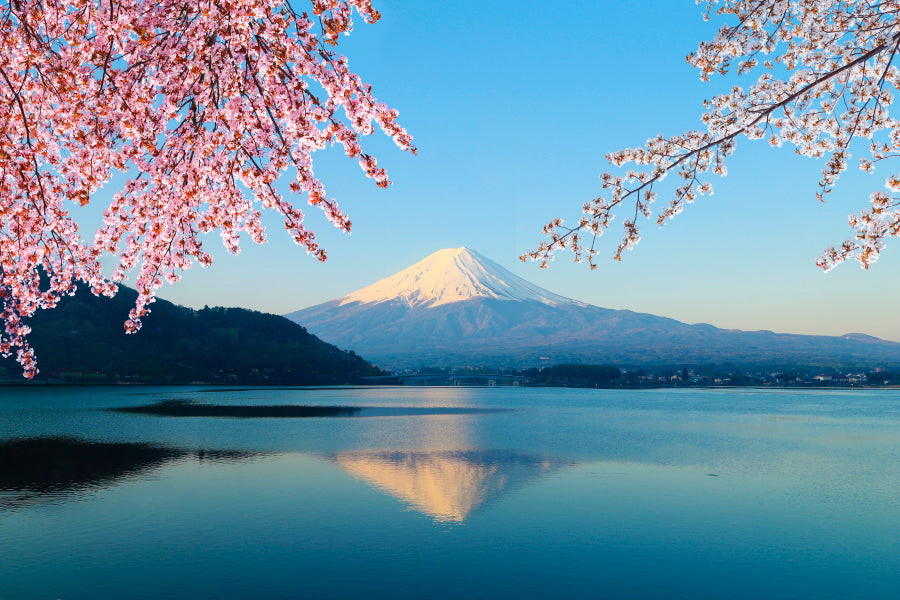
(513, 106)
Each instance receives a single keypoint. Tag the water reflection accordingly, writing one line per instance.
(41, 469)
(443, 468)
(806, 496)
(446, 485)
(189, 408)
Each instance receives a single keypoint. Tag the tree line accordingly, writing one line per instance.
(81, 340)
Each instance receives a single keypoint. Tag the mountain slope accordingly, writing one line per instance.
(82, 339)
(453, 275)
(458, 308)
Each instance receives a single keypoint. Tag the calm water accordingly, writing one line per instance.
(490, 493)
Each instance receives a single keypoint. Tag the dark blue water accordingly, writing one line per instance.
(491, 493)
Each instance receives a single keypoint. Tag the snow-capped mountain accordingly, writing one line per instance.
(459, 308)
(453, 275)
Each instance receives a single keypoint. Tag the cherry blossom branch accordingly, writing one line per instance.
(826, 41)
(194, 98)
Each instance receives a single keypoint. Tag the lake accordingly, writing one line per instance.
(449, 493)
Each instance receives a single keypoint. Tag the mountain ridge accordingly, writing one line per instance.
(485, 315)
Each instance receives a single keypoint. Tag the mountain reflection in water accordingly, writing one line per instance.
(40, 469)
(446, 485)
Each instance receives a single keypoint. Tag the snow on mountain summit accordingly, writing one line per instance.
(457, 308)
(453, 275)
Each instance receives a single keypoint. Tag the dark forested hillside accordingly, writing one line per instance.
(83, 340)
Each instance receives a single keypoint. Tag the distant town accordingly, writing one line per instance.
(610, 376)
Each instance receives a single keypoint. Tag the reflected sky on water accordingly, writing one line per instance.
(531, 493)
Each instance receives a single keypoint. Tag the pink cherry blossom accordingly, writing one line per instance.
(825, 78)
(203, 104)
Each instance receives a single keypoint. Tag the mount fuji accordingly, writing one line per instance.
(457, 308)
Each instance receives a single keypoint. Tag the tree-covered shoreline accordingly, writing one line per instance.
(82, 341)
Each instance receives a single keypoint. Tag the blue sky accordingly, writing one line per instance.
(513, 107)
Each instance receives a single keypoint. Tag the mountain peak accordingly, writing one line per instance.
(457, 308)
(453, 275)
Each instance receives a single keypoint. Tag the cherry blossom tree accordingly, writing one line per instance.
(825, 77)
(202, 104)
